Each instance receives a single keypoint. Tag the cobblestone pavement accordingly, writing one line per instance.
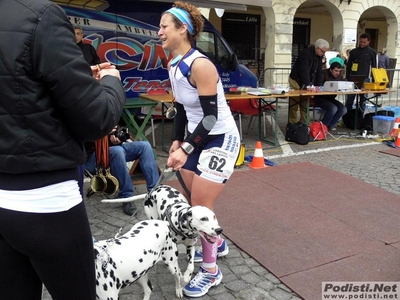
(243, 277)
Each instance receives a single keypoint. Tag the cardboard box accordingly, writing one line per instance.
(380, 80)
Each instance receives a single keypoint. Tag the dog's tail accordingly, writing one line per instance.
(130, 199)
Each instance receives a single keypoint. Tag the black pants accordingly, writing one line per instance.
(350, 101)
(53, 248)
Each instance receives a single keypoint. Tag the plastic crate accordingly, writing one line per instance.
(383, 124)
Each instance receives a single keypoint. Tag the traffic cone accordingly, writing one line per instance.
(258, 161)
(396, 127)
(398, 140)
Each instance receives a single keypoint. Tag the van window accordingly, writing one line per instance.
(224, 58)
(211, 45)
(205, 44)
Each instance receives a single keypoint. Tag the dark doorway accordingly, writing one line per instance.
(301, 36)
(242, 32)
(374, 33)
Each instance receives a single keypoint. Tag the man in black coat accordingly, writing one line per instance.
(89, 53)
(360, 62)
(306, 71)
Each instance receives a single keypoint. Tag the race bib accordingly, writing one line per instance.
(217, 164)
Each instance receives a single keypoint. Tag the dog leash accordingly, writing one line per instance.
(166, 173)
(182, 182)
(164, 177)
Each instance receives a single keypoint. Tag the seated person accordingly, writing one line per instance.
(120, 154)
(334, 109)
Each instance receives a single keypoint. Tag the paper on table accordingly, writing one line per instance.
(250, 90)
(258, 91)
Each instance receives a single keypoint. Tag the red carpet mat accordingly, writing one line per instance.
(393, 151)
(306, 224)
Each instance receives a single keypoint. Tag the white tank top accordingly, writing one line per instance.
(187, 95)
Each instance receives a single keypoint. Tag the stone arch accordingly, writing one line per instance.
(390, 40)
(361, 16)
(279, 30)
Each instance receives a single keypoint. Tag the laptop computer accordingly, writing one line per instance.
(358, 81)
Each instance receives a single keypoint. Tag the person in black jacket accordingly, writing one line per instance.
(334, 109)
(360, 62)
(51, 102)
(306, 71)
(89, 53)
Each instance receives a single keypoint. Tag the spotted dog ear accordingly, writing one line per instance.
(148, 202)
(183, 218)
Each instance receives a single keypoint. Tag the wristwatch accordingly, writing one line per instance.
(187, 148)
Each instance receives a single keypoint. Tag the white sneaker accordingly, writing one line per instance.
(202, 282)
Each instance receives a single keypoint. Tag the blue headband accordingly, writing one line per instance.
(182, 16)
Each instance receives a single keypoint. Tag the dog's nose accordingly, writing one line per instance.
(219, 230)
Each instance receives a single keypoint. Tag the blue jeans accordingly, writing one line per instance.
(121, 154)
(334, 110)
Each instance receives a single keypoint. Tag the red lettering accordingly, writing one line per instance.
(154, 57)
(136, 84)
(112, 51)
(130, 82)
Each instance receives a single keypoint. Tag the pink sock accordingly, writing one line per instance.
(209, 254)
(219, 240)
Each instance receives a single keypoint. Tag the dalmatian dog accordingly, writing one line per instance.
(126, 259)
(186, 222)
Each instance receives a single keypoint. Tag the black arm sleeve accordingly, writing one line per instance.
(180, 121)
(210, 112)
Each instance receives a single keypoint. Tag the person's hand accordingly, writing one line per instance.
(177, 159)
(175, 145)
(113, 139)
(310, 88)
(103, 69)
(97, 68)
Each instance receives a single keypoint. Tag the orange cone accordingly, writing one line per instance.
(258, 158)
(396, 127)
(398, 140)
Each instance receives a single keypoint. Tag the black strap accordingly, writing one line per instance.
(182, 182)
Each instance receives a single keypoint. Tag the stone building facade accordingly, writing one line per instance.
(338, 21)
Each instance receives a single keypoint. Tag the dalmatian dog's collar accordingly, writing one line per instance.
(103, 254)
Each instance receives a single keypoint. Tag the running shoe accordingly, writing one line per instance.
(202, 282)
